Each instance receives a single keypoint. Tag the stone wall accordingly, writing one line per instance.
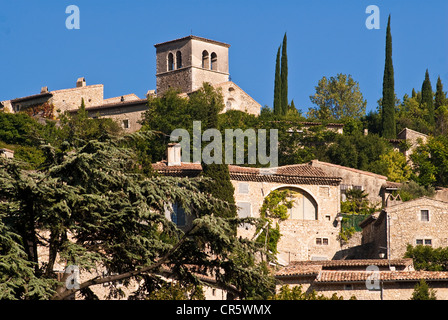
(370, 182)
(298, 241)
(70, 99)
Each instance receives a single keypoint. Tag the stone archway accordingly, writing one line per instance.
(305, 206)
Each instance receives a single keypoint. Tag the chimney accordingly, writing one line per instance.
(44, 90)
(174, 154)
(81, 82)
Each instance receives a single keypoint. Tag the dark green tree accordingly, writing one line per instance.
(277, 86)
(440, 97)
(423, 292)
(284, 76)
(93, 209)
(388, 100)
(428, 100)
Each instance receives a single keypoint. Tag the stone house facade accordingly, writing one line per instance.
(310, 233)
(371, 279)
(422, 221)
(376, 186)
(62, 100)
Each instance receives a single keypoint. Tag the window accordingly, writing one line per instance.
(243, 188)
(421, 242)
(322, 241)
(178, 215)
(178, 59)
(244, 209)
(126, 124)
(214, 65)
(424, 215)
(205, 60)
(170, 62)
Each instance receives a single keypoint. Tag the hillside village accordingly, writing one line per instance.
(320, 248)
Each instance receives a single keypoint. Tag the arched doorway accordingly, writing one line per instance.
(304, 205)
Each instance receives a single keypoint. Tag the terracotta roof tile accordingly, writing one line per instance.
(293, 174)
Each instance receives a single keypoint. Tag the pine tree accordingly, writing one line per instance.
(277, 85)
(423, 292)
(284, 76)
(427, 99)
(388, 101)
(440, 98)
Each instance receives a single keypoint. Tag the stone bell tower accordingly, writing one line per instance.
(188, 62)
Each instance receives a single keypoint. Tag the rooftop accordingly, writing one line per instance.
(191, 37)
(292, 174)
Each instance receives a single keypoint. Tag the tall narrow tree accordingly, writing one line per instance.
(284, 76)
(388, 101)
(427, 99)
(440, 98)
(278, 85)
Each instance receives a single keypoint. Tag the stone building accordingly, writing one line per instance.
(376, 186)
(186, 63)
(372, 279)
(310, 233)
(422, 221)
(58, 100)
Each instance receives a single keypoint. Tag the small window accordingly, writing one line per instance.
(244, 211)
(178, 215)
(205, 60)
(428, 242)
(322, 241)
(178, 59)
(214, 60)
(126, 124)
(424, 215)
(348, 287)
(243, 188)
(419, 242)
(170, 62)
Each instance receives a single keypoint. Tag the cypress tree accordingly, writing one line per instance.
(284, 76)
(277, 86)
(440, 99)
(427, 99)
(388, 102)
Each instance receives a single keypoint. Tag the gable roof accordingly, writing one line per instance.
(292, 174)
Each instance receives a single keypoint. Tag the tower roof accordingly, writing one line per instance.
(191, 37)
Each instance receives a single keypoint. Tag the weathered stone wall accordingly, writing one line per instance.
(298, 241)
(370, 182)
(406, 225)
(70, 99)
(236, 99)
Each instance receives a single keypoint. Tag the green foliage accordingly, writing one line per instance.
(358, 151)
(395, 166)
(296, 293)
(284, 76)
(388, 100)
(428, 258)
(423, 292)
(275, 206)
(412, 190)
(176, 291)
(431, 162)
(277, 85)
(115, 217)
(427, 101)
(338, 98)
(220, 187)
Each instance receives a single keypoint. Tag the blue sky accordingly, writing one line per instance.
(115, 43)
